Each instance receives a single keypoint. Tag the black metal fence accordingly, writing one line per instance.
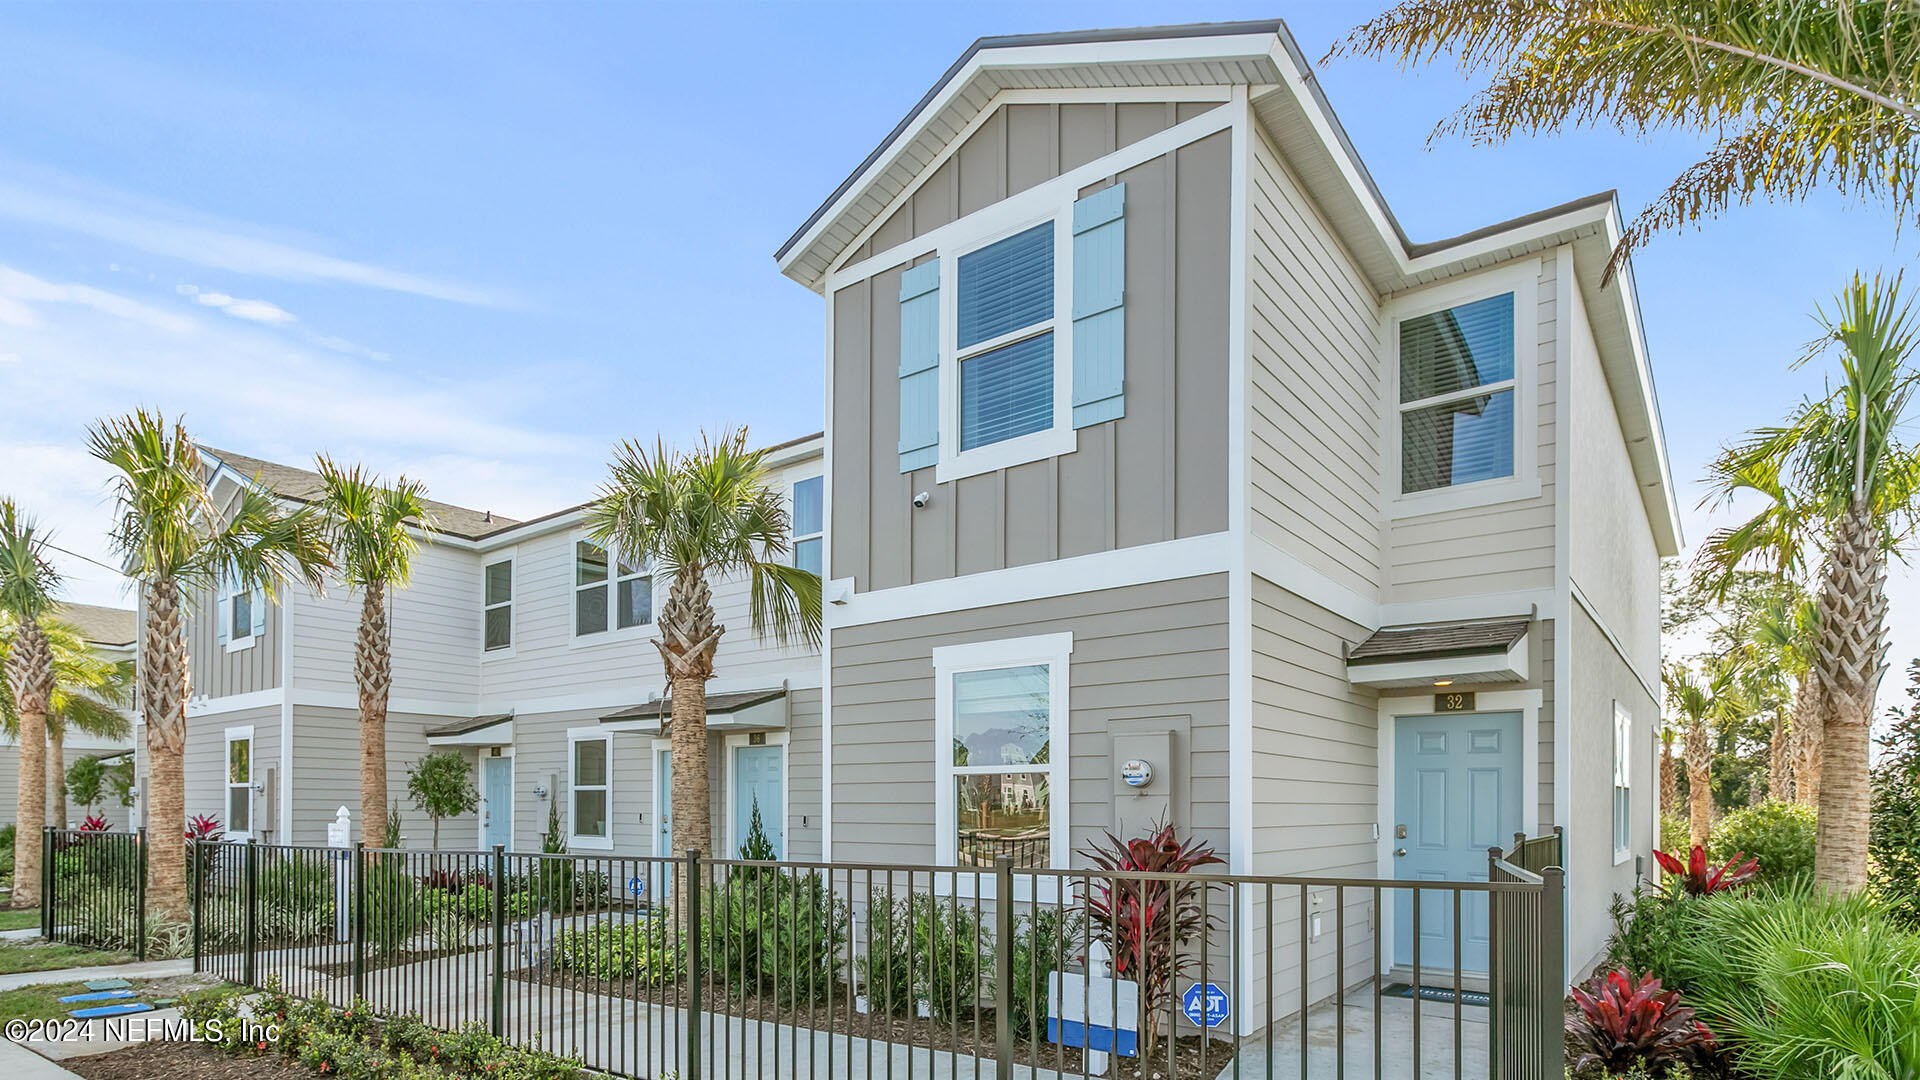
(93, 889)
(706, 968)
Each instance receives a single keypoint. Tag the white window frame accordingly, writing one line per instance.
(576, 736)
(993, 225)
(614, 632)
(1522, 280)
(244, 734)
(734, 826)
(223, 609)
(793, 539)
(512, 558)
(1622, 783)
(1054, 650)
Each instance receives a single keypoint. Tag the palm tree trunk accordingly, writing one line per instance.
(1852, 658)
(57, 776)
(164, 683)
(1669, 780)
(373, 671)
(688, 637)
(30, 677)
(1807, 721)
(1779, 758)
(1699, 784)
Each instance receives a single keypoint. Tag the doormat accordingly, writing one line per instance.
(1438, 993)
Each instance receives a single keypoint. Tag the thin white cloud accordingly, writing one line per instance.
(260, 311)
(223, 247)
(20, 291)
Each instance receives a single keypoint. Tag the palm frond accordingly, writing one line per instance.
(28, 579)
(1797, 94)
(371, 528)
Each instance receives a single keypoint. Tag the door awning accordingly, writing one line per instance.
(493, 730)
(1441, 654)
(744, 710)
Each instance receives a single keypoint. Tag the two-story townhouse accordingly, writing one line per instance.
(1168, 478)
(109, 633)
(519, 644)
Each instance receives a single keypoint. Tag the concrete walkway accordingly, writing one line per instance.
(152, 969)
(19, 1063)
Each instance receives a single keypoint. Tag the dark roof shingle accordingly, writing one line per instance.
(304, 485)
(101, 625)
(1395, 643)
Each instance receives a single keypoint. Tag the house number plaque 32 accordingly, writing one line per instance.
(1458, 701)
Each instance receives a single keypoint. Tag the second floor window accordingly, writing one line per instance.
(809, 524)
(1004, 344)
(241, 609)
(603, 600)
(499, 605)
(1456, 395)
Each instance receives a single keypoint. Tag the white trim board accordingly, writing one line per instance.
(730, 813)
(1586, 605)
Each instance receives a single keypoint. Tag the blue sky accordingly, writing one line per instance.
(482, 242)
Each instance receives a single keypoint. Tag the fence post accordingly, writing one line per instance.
(1003, 967)
(697, 960)
(499, 1011)
(359, 874)
(197, 869)
(1553, 976)
(46, 883)
(140, 895)
(250, 901)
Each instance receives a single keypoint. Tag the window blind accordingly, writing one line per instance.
(1007, 392)
(1457, 349)
(1006, 285)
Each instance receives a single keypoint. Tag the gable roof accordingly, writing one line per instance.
(305, 485)
(101, 625)
(1285, 98)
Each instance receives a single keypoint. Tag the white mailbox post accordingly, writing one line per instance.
(340, 835)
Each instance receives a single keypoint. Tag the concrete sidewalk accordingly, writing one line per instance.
(19, 1063)
(152, 969)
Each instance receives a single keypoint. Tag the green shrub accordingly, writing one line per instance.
(925, 949)
(447, 919)
(393, 911)
(1779, 834)
(1807, 985)
(1675, 833)
(774, 931)
(1656, 932)
(650, 952)
(1042, 943)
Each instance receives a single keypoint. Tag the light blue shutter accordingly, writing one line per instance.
(920, 366)
(259, 612)
(222, 616)
(1099, 311)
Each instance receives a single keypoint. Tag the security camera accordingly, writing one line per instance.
(921, 499)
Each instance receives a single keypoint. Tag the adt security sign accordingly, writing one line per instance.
(637, 886)
(1205, 1005)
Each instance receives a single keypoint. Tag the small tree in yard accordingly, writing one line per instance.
(441, 786)
(86, 778)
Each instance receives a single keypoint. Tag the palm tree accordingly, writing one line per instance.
(89, 694)
(695, 517)
(1835, 476)
(1705, 700)
(27, 584)
(1669, 776)
(176, 542)
(1798, 95)
(372, 530)
(1785, 635)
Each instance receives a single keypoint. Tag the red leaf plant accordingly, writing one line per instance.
(1624, 1022)
(1144, 921)
(203, 827)
(94, 823)
(1700, 879)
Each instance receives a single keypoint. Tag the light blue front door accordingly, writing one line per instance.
(1456, 794)
(496, 812)
(757, 785)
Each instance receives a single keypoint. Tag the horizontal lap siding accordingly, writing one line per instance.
(205, 762)
(1156, 474)
(326, 775)
(1315, 774)
(434, 621)
(1504, 546)
(1140, 652)
(1315, 372)
(803, 775)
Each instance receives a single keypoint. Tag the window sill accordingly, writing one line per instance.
(496, 654)
(235, 645)
(1464, 497)
(590, 843)
(1035, 446)
(611, 637)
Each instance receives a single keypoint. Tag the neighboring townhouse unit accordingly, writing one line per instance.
(521, 645)
(1167, 478)
(110, 633)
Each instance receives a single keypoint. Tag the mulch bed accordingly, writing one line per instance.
(344, 968)
(908, 1030)
(177, 1060)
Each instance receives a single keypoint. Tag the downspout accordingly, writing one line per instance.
(284, 789)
